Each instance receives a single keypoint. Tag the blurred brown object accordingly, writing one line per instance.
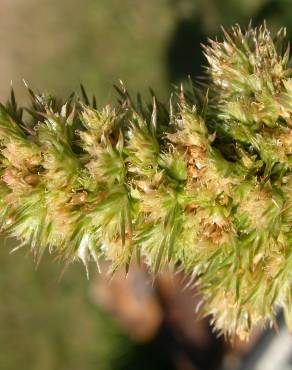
(131, 300)
(179, 302)
(162, 311)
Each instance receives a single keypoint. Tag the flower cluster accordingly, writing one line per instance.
(204, 184)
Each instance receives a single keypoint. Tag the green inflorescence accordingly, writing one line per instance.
(203, 183)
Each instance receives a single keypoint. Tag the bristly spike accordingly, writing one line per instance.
(202, 183)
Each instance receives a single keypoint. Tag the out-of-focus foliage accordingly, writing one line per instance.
(48, 321)
(98, 42)
(56, 45)
(42, 320)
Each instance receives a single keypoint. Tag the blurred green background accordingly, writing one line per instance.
(51, 323)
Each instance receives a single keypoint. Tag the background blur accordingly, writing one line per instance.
(68, 323)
